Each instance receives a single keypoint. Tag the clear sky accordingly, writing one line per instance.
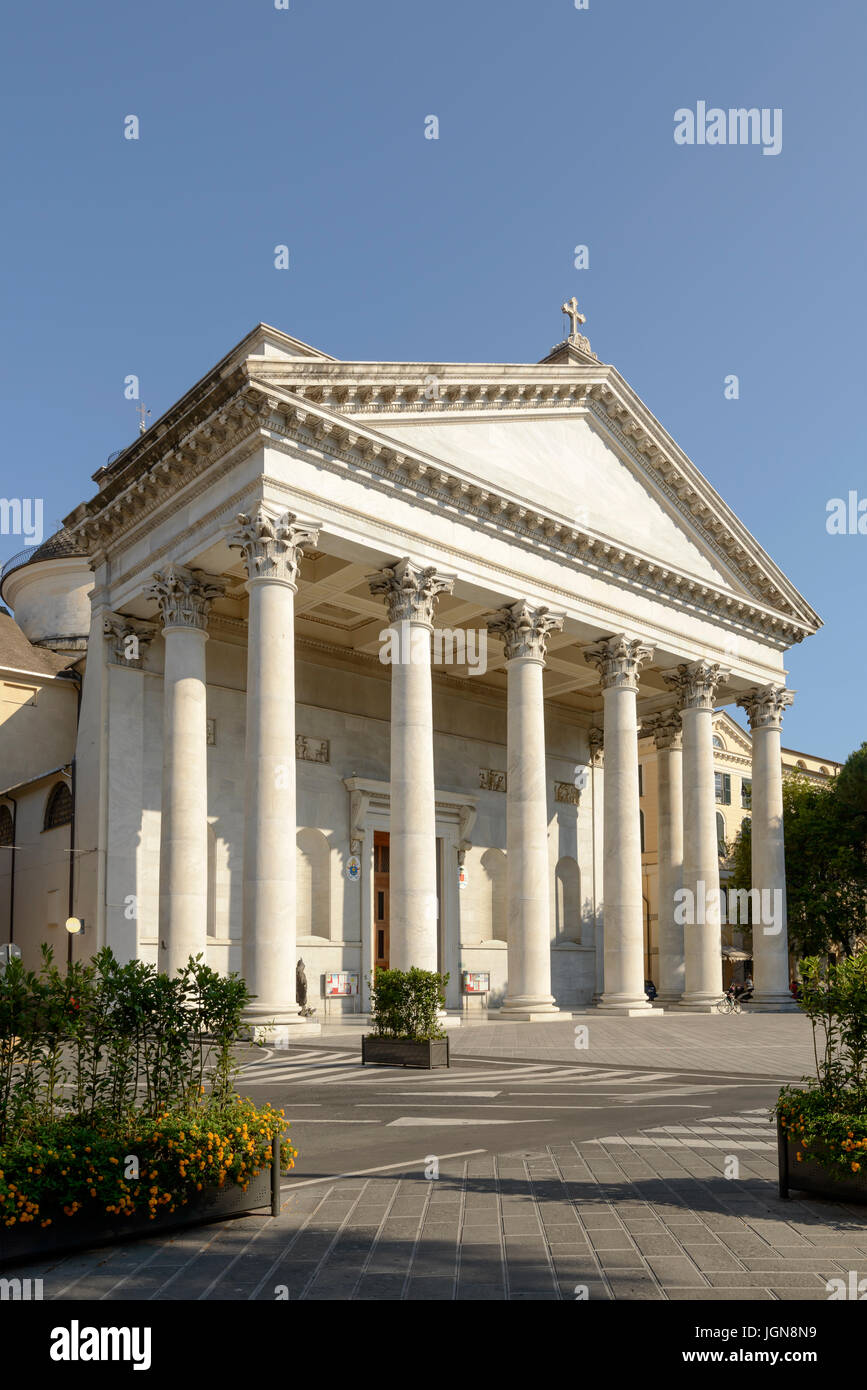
(306, 127)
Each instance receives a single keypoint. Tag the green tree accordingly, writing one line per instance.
(826, 859)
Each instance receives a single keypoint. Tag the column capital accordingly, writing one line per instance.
(130, 637)
(524, 631)
(272, 546)
(619, 660)
(666, 729)
(185, 596)
(695, 683)
(410, 591)
(765, 705)
(596, 740)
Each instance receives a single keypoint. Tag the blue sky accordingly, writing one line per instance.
(305, 127)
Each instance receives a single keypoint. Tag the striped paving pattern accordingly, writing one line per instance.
(749, 1129)
(318, 1067)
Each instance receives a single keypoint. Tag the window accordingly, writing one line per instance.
(493, 902)
(801, 764)
(717, 741)
(567, 900)
(640, 780)
(723, 786)
(721, 834)
(5, 826)
(746, 794)
(58, 810)
(641, 829)
(313, 888)
(824, 771)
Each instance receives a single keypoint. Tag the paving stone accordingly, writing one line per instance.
(679, 1273)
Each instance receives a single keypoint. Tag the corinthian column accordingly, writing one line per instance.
(765, 706)
(410, 593)
(184, 597)
(668, 738)
(271, 548)
(524, 632)
(696, 684)
(618, 661)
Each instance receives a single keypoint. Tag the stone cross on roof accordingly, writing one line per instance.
(570, 309)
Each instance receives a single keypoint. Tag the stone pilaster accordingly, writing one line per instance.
(765, 706)
(524, 632)
(271, 548)
(184, 597)
(695, 684)
(619, 661)
(667, 733)
(410, 592)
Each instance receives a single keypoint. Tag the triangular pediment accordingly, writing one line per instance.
(565, 466)
(569, 439)
(736, 739)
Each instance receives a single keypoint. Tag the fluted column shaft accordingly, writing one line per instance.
(272, 548)
(669, 766)
(619, 661)
(765, 708)
(696, 684)
(410, 593)
(184, 597)
(524, 632)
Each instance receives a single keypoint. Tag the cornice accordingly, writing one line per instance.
(401, 390)
(253, 416)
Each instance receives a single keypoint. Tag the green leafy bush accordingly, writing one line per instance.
(117, 1088)
(827, 1117)
(406, 1004)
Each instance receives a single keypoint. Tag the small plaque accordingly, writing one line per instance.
(340, 983)
(476, 982)
(492, 780)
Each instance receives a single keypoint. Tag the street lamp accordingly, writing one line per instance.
(74, 927)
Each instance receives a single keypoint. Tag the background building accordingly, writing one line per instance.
(732, 761)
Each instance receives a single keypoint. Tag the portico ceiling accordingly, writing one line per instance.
(336, 614)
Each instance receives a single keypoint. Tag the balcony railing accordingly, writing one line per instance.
(17, 561)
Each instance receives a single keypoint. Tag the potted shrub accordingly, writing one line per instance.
(118, 1113)
(406, 1013)
(822, 1126)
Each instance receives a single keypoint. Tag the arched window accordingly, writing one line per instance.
(313, 862)
(5, 826)
(801, 764)
(58, 809)
(721, 832)
(824, 771)
(493, 906)
(567, 900)
(717, 741)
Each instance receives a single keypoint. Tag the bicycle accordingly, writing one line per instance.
(730, 1005)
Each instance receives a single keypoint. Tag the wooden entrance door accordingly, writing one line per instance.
(380, 900)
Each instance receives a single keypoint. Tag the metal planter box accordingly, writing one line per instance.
(811, 1177)
(90, 1227)
(400, 1052)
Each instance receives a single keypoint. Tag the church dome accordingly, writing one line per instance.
(48, 589)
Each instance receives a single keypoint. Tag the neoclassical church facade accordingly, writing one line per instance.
(349, 661)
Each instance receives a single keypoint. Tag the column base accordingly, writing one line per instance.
(528, 1015)
(699, 1003)
(628, 1006)
(666, 1001)
(771, 1004)
(277, 1027)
